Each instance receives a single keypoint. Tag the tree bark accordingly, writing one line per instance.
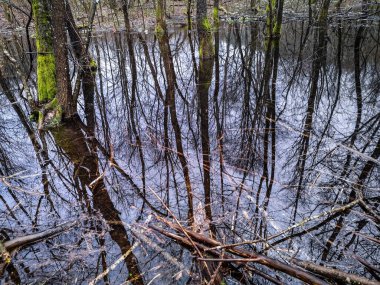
(64, 93)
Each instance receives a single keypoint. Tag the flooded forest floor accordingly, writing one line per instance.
(135, 149)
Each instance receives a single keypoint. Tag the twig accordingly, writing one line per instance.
(113, 266)
(303, 222)
(261, 259)
(230, 259)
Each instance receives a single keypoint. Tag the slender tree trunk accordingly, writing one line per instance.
(219, 127)
(87, 66)
(206, 63)
(188, 14)
(205, 71)
(272, 103)
(359, 103)
(163, 40)
(133, 103)
(319, 55)
(266, 95)
(202, 20)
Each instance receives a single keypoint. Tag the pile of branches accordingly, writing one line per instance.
(217, 260)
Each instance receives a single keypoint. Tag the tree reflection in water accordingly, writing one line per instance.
(272, 144)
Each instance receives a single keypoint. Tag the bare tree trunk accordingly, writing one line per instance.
(205, 71)
(163, 40)
(219, 126)
(319, 55)
(87, 66)
(359, 104)
(272, 102)
(203, 23)
(133, 103)
(64, 93)
(69, 136)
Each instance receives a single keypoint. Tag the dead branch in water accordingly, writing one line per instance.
(216, 252)
(8, 248)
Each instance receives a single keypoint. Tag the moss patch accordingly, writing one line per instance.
(206, 25)
(215, 16)
(93, 65)
(46, 80)
(159, 31)
(46, 77)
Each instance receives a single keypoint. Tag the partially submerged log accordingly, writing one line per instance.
(8, 248)
(37, 237)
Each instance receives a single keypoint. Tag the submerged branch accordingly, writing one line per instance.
(334, 274)
(204, 242)
(34, 238)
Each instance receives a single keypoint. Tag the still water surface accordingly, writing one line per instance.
(278, 134)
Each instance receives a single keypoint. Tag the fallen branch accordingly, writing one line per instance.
(234, 272)
(8, 249)
(34, 238)
(300, 224)
(335, 274)
(239, 257)
(204, 242)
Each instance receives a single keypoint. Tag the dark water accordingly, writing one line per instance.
(280, 134)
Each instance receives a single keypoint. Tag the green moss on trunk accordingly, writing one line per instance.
(49, 114)
(46, 79)
(206, 25)
(215, 16)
